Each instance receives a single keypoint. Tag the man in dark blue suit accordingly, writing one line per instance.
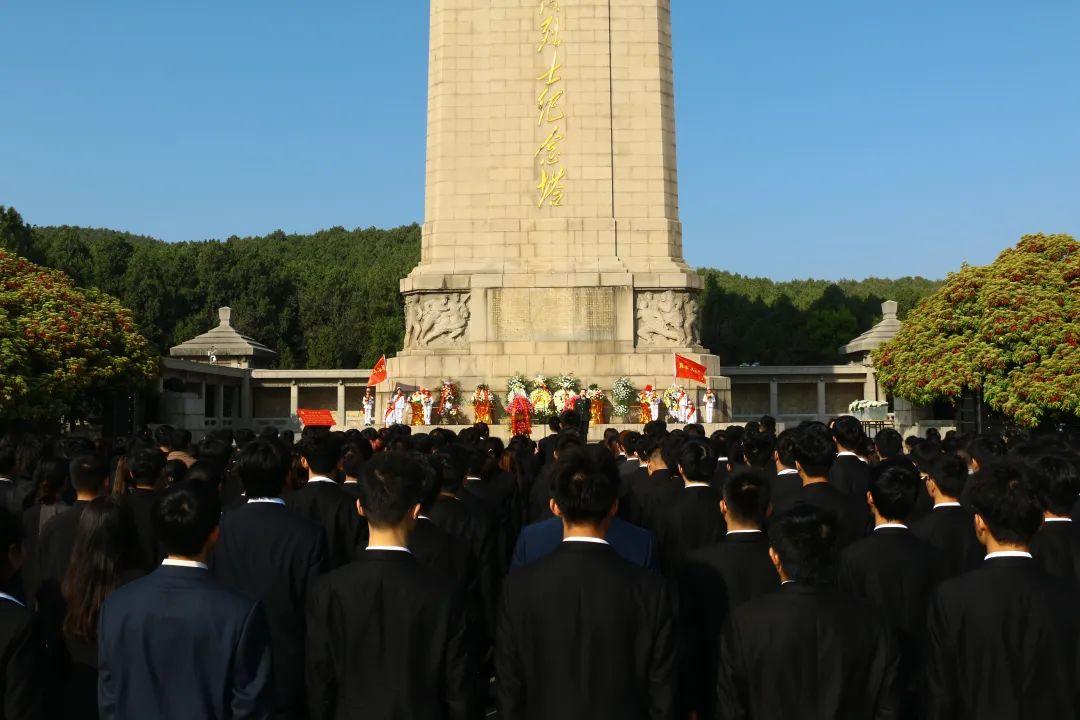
(540, 539)
(178, 644)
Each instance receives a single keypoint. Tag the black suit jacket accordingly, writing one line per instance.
(500, 495)
(635, 545)
(537, 507)
(783, 489)
(712, 582)
(851, 512)
(894, 572)
(649, 495)
(141, 504)
(950, 530)
(466, 518)
(806, 652)
(53, 552)
(691, 519)
(851, 475)
(270, 553)
(329, 505)
(179, 644)
(1002, 643)
(387, 639)
(1056, 548)
(585, 634)
(22, 674)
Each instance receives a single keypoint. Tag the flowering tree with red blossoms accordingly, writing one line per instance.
(61, 345)
(1009, 330)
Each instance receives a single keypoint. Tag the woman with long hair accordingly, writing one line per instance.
(101, 561)
(50, 479)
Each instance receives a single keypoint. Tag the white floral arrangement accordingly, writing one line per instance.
(861, 405)
(595, 394)
(568, 383)
(624, 395)
(672, 396)
(517, 385)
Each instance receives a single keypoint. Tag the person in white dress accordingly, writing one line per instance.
(684, 408)
(428, 403)
(710, 406)
(369, 407)
(398, 416)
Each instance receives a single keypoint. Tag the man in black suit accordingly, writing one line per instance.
(949, 528)
(1003, 639)
(849, 472)
(786, 484)
(23, 676)
(88, 474)
(692, 518)
(716, 579)
(807, 650)
(1056, 547)
(814, 455)
(387, 636)
(177, 643)
(539, 503)
(324, 501)
(583, 633)
(892, 569)
(145, 464)
(273, 555)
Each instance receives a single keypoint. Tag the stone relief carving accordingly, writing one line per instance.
(436, 320)
(667, 318)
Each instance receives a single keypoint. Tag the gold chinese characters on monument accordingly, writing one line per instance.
(550, 105)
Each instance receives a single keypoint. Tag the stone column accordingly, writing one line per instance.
(774, 398)
(294, 399)
(219, 404)
(341, 404)
(247, 403)
(822, 410)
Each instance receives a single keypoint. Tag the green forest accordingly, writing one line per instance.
(330, 299)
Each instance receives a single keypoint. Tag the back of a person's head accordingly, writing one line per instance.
(568, 439)
(648, 448)
(933, 434)
(214, 450)
(206, 473)
(814, 453)
(985, 449)
(746, 494)
(950, 474)
(697, 460)
(758, 449)
(1058, 480)
(269, 433)
(450, 468)
(848, 432)
(146, 465)
(261, 468)
(243, 436)
(785, 447)
(163, 436)
(179, 439)
(1005, 497)
(889, 443)
(322, 455)
(768, 424)
(357, 454)
(7, 460)
(430, 485)
(185, 516)
(390, 488)
(925, 455)
(50, 477)
(894, 486)
(104, 538)
(584, 493)
(671, 450)
(88, 473)
(655, 428)
(805, 540)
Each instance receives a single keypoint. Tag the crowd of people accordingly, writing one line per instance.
(814, 573)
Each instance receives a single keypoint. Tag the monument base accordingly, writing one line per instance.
(411, 371)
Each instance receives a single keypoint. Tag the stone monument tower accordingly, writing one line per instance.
(551, 241)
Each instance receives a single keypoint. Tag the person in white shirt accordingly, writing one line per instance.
(369, 407)
(710, 406)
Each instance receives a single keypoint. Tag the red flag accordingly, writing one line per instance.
(378, 375)
(316, 418)
(690, 370)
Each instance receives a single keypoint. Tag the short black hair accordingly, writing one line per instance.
(950, 474)
(1058, 482)
(925, 454)
(429, 481)
(206, 473)
(815, 453)
(179, 439)
(357, 453)
(146, 465)
(185, 516)
(450, 468)
(785, 447)
(671, 450)
(1004, 496)
(322, 455)
(848, 431)
(758, 449)
(211, 449)
(746, 493)
(261, 468)
(88, 473)
(163, 435)
(894, 486)
(697, 460)
(985, 449)
(805, 538)
(889, 443)
(581, 488)
(390, 488)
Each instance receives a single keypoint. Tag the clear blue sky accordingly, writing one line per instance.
(825, 139)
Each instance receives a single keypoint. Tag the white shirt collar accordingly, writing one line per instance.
(848, 453)
(1008, 554)
(787, 471)
(321, 478)
(742, 532)
(10, 598)
(721, 459)
(946, 504)
(894, 526)
(696, 484)
(1050, 520)
(598, 541)
(6, 479)
(183, 563)
(471, 477)
(394, 548)
(272, 501)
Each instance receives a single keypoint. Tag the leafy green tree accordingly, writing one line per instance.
(15, 235)
(60, 346)
(1009, 330)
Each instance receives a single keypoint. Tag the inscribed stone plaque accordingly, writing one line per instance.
(553, 314)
